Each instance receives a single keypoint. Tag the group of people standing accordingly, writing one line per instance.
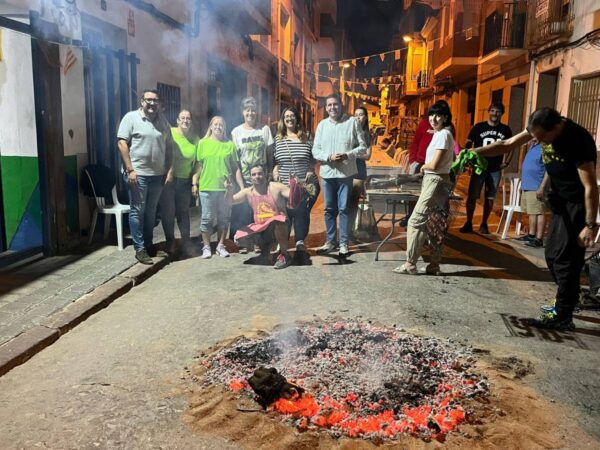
(256, 174)
(558, 171)
(165, 167)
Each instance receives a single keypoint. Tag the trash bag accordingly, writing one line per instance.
(270, 386)
(364, 228)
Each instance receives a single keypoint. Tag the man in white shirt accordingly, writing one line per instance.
(338, 142)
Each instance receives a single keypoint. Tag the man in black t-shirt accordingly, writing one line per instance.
(569, 154)
(482, 134)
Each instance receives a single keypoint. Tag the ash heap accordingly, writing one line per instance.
(355, 379)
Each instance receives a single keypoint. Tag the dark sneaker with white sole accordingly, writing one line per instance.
(525, 238)
(143, 257)
(535, 243)
(551, 321)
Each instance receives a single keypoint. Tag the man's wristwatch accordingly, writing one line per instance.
(129, 171)
(591, 225)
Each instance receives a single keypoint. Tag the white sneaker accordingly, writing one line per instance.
(327, 247)
(344, 250)
(300, 247)
(222, 251)
(206, 253)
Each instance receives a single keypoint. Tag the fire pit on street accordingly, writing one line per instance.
(355, 379)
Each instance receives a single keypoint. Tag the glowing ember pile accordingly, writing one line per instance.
(361, 380)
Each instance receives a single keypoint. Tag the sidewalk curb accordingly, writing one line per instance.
(18, 350)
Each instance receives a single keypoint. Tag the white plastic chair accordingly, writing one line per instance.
(513, 205)
(116, 208)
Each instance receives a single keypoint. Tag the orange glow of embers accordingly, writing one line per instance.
(357, 379)
(332, 414)
(236, 385)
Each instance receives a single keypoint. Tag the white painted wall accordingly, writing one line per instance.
(572, 63)
(17, 109)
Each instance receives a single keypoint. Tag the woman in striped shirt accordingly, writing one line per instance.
(293, 156)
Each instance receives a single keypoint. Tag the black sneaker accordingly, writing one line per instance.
(153, 251)
(143, 257)
(535, 242)
(549, 321)
(483, 229)
(466, 228)
(526, 238)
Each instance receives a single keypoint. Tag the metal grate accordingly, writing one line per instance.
(170, 97)
(584, 102)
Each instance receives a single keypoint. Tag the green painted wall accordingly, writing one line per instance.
(20, 177)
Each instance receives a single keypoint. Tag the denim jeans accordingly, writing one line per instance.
(336, 192)
(175, 203)
(143, 200)
(491, 181)
(300, 216)
(214, 209)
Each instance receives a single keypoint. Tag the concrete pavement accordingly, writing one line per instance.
(116, 382)
(46, 298)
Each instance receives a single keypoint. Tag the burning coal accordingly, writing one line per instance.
(353, 379)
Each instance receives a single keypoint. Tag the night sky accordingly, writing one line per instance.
(370, 23)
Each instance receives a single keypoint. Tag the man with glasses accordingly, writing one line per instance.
(145, 143)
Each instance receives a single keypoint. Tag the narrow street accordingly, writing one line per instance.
(119, 379)
(433, 165)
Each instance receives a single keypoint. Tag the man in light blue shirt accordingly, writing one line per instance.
(338, 142)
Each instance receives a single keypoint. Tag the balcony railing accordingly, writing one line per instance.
(424, 79)
(505, 29)
(548, 20)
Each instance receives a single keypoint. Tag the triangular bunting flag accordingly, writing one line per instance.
(382, 56)
(390, 79)
(364, 85)
(397, 55)
(349, 84)
(366, 60)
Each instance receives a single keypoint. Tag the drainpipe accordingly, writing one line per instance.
(278, 18)
(532, 82)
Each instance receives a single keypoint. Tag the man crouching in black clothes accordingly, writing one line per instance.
(569, 154)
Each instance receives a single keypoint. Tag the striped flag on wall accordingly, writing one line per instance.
(70, 61)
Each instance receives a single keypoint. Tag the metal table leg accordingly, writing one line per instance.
(391, 231)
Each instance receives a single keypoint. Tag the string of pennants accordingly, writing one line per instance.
(363, 96)
(354, 61)
(394, 81)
